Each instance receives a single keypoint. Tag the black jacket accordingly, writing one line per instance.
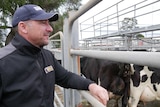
(28, 75)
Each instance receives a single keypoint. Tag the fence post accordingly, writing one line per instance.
(66, 60)
(67, 29)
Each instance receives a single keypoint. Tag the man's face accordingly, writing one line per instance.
(38, 32)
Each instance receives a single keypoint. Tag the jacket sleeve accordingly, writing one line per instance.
(68, 79)
(0, 88)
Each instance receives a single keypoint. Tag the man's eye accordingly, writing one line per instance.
(44, 22)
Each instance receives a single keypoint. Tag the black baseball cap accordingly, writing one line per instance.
(32, 12)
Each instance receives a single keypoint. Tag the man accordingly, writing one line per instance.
(28, 72)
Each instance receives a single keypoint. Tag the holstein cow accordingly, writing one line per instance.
(109, 74)
(144, 84)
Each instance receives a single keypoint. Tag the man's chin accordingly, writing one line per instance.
(44, 44)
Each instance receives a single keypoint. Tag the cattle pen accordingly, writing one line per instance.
(113, 36)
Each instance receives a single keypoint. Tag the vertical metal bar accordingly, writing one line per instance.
(68, 24)
(66, 54)
(135, 11)
(74, 59)
(94, 28)
(81, 30)
(107, 25)
(117, 17)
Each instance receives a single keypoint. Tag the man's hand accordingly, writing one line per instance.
(99, 93)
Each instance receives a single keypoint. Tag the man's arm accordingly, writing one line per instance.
(0, 88)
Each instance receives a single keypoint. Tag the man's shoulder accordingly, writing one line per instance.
(6, 50)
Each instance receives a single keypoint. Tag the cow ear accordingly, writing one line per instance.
(121, 67)
(138, 67)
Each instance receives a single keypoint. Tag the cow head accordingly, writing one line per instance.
(117, 86)
(124, 69)
(111, 76)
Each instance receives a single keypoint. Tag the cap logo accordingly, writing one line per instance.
(37, 8)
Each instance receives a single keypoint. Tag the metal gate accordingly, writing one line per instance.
(71, 53)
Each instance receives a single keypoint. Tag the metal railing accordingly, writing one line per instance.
(70, 53)
(123, 23)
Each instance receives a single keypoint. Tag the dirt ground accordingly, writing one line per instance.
(111, 103)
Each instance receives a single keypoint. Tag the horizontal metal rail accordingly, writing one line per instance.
(56, 34)
(122, 33)
(151, 59)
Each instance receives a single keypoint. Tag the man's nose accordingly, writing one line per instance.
(49, 28)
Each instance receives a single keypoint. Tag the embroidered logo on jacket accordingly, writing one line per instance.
(48, 69)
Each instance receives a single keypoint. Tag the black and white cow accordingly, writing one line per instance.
(144, 84)
(109, 74)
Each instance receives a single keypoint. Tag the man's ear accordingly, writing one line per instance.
(22, 27)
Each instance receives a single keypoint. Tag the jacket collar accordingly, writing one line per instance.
(22, 44)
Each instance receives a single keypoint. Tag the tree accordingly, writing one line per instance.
(1, 39)
(7, 8)
(128, 23)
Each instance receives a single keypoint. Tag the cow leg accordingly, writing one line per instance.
(132, 102)
(135, 94)
(134, 97)
(126, 92)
